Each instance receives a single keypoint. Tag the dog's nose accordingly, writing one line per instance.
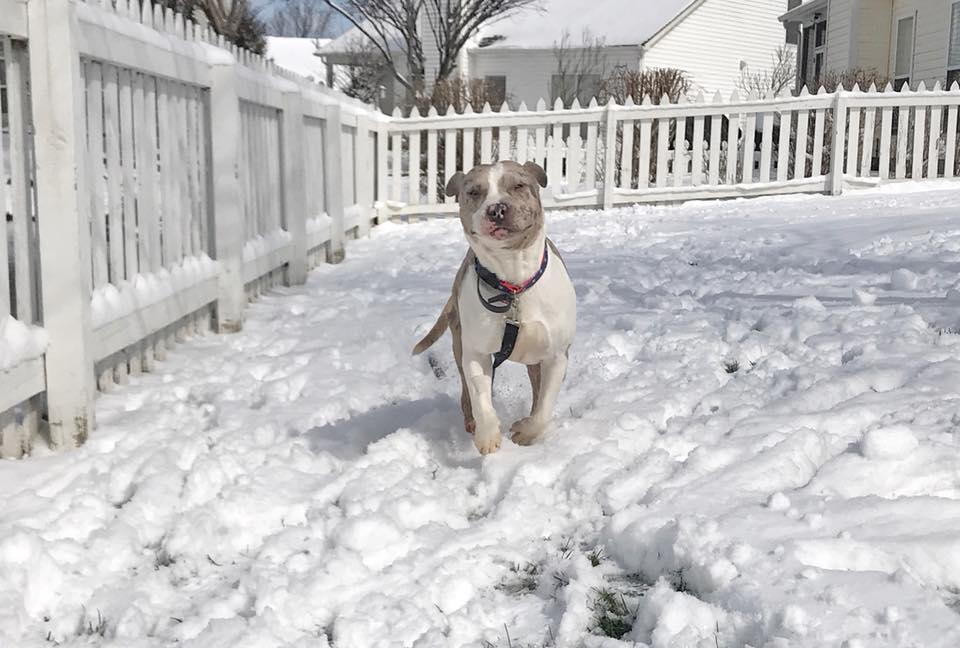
(497, 211)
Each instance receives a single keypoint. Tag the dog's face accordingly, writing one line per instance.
(500, 203)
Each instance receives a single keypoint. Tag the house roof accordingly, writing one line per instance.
(804, 12)
(617, 22)
(542, 24)
(298, 55)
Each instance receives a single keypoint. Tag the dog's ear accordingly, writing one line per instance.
(537, 172)
(454, 184)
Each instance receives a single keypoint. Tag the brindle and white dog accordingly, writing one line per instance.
(511, 263)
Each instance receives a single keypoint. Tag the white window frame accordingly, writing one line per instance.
(895, 37)
(949, 34)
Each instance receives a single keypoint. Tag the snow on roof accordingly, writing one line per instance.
(617, 22)
(297, 55)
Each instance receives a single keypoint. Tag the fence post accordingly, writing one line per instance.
(366, 181)
(610, 157)
(64, 234)
(838, 147)
(226, 210)
(294, 184)
(333, 180)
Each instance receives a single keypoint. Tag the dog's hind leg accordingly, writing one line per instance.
(469, 424)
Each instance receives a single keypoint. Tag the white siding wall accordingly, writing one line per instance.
(839, 33)
(932, 38)
(528, 72)
(710, 43)
(873, 35)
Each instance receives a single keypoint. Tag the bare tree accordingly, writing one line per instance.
(775, 79)
(236, 20)
(301, 18)
(395, 28)
(580, 67)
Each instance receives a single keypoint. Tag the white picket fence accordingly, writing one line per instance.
(154, 179)
(601, 156)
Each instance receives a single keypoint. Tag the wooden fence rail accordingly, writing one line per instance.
(155, 179)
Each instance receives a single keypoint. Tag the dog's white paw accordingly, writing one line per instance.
(487, 440)
(526, 431)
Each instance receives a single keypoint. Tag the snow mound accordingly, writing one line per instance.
(895, 442)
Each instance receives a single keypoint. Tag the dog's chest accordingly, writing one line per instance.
(546, 315)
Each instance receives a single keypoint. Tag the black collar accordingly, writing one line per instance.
(506, 292)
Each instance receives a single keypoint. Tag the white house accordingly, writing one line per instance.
(711, 40)
(908, 40)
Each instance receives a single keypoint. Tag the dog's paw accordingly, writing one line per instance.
(487, 441)
(470, 426)
(526, 431)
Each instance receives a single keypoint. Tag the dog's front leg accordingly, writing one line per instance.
(478, 369)
(527, 430)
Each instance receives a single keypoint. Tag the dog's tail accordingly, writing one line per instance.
(443, 322)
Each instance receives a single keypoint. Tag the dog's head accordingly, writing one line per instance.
(500, 203)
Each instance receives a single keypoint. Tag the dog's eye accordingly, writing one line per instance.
(519, 186)
(473, 192)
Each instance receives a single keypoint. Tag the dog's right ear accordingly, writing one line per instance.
(454, 184)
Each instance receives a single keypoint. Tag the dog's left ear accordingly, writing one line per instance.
(537, 172)
(454, 184)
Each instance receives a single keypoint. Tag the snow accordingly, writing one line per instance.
(744, 454)
(19, 342)
(113, 301)
(617, 22)
(262, 245)
(298, 55)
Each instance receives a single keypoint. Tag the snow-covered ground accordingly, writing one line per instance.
(757, 444)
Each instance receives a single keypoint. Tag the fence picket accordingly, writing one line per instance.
(916, 150)
(749, 140)
(131, 260)
(800, 153)
(866, 164)
(431, 166)
(450, 159)
(679, 151)
(933, 153)
(574, 151)
(486, 144)
(96, 175)
(626, 155)
(853, 143)
(903, 124)
(696, 161)
(413, 190)
(111, 121)
(503, 143)
(663, 137)
(396, 167)
(590, 168)
(949, 158)
(818, 133)
(766, 147)
(783, 146)
(886, 126)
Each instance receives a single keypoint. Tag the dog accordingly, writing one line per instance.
(511, 299)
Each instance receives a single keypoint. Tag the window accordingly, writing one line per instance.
(793, 29)
(496, 90)
(953, 56)
(903, 53)
(813, 48)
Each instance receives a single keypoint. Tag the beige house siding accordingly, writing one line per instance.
(839, 34)
(873, 35)
(932, 38)
(710, 43)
